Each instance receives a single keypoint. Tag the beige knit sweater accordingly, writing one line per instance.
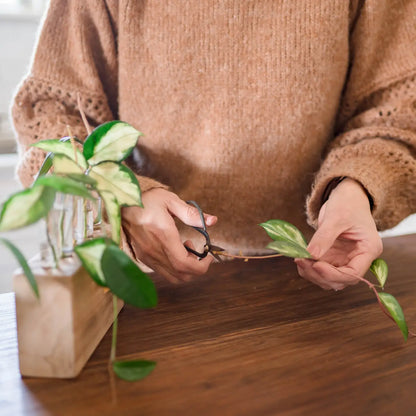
(247, 106)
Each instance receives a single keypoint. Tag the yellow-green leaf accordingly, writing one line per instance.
(119, 180)
(285, 231)
(113, 213)
(65, 185)
(380, 270)
(65, 148)
(289, 249)
(63, 165)
(26, 207)
(396, 312)
(90, 253)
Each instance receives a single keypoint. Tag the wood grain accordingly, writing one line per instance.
(247, 339)
(58, 332)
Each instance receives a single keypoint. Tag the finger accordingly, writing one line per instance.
(309, 274)
(181, 260)
(334, 276)
(323, 239)
(358, 265)
(188, 214)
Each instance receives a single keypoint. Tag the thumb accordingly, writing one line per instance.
(323, 239)
(189, 215)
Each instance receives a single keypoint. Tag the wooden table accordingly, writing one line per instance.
(247, 339)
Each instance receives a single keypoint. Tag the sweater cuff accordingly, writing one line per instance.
(382, 168)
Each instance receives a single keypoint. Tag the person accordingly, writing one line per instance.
(248, 108)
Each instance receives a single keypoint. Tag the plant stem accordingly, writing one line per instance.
(234, 256)
(55, 258)
(84, 118)
(114, 335)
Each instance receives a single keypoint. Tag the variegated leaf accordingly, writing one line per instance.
(283, 230)
(380, 270)
(112, 141)
(65, 185)
(63, 148)
(63, 165)
(289, 249)
(113, 213)
(26, 207)
(90, 253)
(396, 312)
(118, 180)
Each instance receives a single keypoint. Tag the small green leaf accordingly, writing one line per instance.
(26, 207)
(133, 370)
(283, 230)
(380, 270)
(90, 253)
(289, 249)
(66, 148)
(395, 311)
(112, 141)
(119, 180)
(65, 185)
(63, 165)
(23, 264)
(113, 213)
(126, 280)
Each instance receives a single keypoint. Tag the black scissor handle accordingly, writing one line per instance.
(203, 231)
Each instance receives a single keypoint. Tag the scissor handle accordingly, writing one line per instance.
(203, 231)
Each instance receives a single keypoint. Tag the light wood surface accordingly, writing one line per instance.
(247, 339)
(58, 332)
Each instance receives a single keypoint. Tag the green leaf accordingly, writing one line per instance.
(65, 185)
(63, 165)
(66, 148)
(126, 280)
(23, 264)
(112, 141)
(133, 370)
(26, 207)
(284, 231)
(113, 213)
(119, 180)
(395, 311)
(81, 177)
(46, 166)
(289, 249)
(90, 253)
(380, 270)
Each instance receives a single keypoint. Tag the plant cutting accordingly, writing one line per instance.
(92, 174)
(290, 242)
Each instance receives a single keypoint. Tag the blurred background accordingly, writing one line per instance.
(19, 23)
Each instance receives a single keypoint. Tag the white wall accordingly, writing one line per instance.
(17, 34)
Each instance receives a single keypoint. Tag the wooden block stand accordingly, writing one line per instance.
(58, 333)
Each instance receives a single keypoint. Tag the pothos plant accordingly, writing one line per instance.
(93, 172)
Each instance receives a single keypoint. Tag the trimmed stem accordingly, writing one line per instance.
(234, 256)
(114, 335)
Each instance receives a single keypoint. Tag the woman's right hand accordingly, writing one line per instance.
(155, 238)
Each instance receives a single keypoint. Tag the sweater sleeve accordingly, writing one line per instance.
(375, 134)
(76, 53)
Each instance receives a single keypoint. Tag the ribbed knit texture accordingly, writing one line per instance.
(245, 105)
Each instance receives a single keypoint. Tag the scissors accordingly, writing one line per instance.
(208, 247)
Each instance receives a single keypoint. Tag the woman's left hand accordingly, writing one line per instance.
(346, 241)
